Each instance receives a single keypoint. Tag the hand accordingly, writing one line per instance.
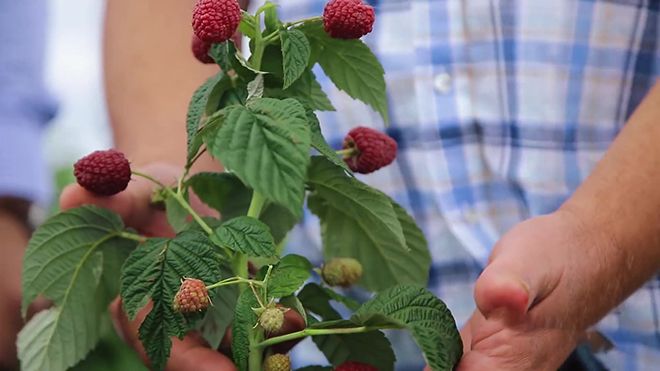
(14, 237)
(535, 297)
(134, 206)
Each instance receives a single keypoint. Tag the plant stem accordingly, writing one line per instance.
(256, 352)
(258, 55)
(192, 212)
(132, 236)
(233, 281)
(150, 178)
(348, 152)
(313, 332)
(256, 205)
(304, 20)
(179, 198)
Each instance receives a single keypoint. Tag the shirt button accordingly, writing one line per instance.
(442, 83)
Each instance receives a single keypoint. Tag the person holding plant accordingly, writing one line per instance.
(507, 157)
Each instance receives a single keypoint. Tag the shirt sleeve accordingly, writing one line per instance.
(25, 106)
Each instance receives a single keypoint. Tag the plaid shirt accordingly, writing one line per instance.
(501, 109)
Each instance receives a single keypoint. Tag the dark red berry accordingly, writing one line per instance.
(355, 366)
(104, 173)
(372, 150)
(200, 50)
(348, 19)
(216, 21)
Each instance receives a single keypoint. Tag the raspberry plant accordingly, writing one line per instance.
(257, 117)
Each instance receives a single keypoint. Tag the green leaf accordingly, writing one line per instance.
(360, 222)
(226, 56)
(245, 235)
(319, 99)
(227, 194)
(317, 301)
(256, 88)
(249, 25)
(216, 94)
(320, 144)
(267, 146)
(288, 275)
(223, 192)
(295, 54)
(305, 89)
(176, 215)
(220, 315)
(155, 271)
(420, 255)
(196, 109)
(292, 302)
(371, 348)
(352, 67)
(424, 315)
(271, 19)
(64, 261)
(244, 320)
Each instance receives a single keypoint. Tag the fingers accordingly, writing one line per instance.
(191, 353)
(521, 273)
(133, 204)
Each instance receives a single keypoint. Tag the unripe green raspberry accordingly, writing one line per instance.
(277, 362)
(272, 319)
(343, 272)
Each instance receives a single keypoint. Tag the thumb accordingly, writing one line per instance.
(520, 274)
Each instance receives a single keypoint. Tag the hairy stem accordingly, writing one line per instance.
(132, 236)
(233, 281)
(313, 332)
(179, 198)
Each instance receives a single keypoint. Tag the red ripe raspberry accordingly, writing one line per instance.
(192, 297)
(355, 366)
(215, 21)
(373, 150)
(103, 173)
(200, 50)
(348, 19)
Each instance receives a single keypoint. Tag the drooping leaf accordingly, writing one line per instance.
(306, 90)
(223, 192)
(295, 54)
(360, 222)
(351, 66)
(227, 194)
(245, 235)
(320, 144)
(154, 272)
(421, 313)
(288, 275)
(293, 303)
(315, 296)
(267, 146)
(244, 321)
(256, 88)
(64, 261)
(371, 348)
(196, 109)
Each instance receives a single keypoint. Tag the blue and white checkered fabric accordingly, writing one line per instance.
(501, 109)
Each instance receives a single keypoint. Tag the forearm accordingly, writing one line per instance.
(619, 205)
(150, 75)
